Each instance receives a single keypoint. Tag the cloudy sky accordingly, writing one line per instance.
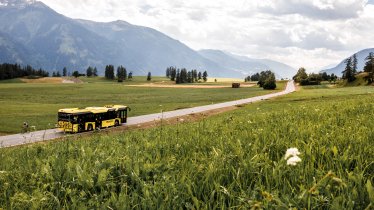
(309, 33)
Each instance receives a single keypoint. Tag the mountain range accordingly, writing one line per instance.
(361, 55)
(32, 33)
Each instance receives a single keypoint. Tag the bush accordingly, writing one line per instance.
(304, 82)
(269, 85)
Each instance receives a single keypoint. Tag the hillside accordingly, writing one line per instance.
(145, 49)
(32, 33)
(359, 81)
(246, 65)
(361, 55)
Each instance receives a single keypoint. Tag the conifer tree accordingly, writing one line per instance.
(369, 68)
(178, 77)
(95, 72)
(183, 76)
(121, 73)
(89, 71)
(75, 74)
(205, 76)
(189, 77)
(354, 64)
(194, 75)
(348, 72)
(168, 72)
(109, 72)
(64, 72)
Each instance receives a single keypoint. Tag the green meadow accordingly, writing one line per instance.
(38, 103)
(235, 160)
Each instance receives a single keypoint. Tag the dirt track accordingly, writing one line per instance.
(52, 80)
(188, 86)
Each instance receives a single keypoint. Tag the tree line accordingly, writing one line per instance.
(349, 73)
(313, 79)
(10, 71)
(265, 79)
(369, 68)
(185, 76)
(350, 70)
(254, 77)
(121, 73)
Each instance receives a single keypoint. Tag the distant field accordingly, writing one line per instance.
(229, 80)
(38, 103)
(233, 160)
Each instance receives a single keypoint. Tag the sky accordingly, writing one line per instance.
(301, 33)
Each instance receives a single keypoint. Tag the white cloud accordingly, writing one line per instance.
(309, 33)
(316, 9)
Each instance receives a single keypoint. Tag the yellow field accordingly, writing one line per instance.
(219, 79)
(43, 80)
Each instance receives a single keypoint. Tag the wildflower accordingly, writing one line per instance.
(293, 160)
(292, 156)
(291, 152)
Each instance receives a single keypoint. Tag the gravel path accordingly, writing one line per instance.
(44, 135)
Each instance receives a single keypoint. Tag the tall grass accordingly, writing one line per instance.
(235, 160)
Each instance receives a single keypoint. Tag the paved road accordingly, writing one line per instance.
(44, 135)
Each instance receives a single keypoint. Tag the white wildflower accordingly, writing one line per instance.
(292, 156)
(291, 152)
(293, 160)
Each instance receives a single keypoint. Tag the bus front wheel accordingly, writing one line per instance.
(90, 128)
(116, 123)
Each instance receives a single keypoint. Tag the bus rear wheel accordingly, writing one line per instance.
(89, 127)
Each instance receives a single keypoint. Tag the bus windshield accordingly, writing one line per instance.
(67, 117)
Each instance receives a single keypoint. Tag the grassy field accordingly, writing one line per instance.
(234, 160)
(38, 103)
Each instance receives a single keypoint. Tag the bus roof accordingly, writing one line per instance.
(74, 111)
(117, 107)
(94, 110)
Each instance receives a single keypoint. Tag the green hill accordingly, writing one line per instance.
(360, 81)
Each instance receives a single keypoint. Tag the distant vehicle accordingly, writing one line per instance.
(75, 120)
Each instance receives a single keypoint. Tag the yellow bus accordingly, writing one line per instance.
(75, 120)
